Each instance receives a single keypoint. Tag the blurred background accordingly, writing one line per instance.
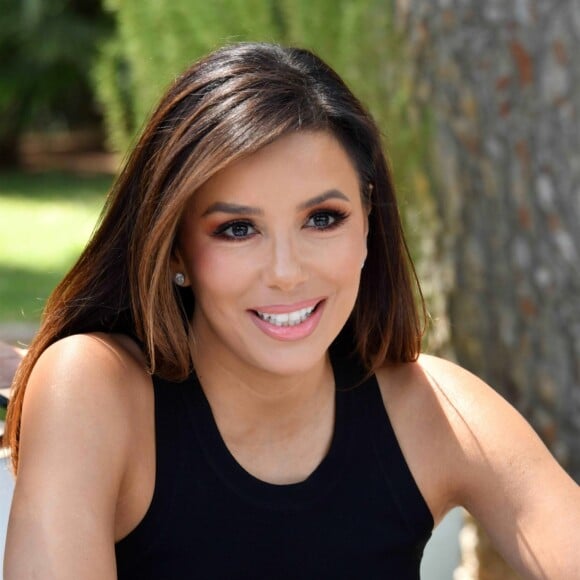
(478, 102)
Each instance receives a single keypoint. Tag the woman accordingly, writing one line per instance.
(228, 382)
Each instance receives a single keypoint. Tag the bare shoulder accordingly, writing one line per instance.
(84, 408)
(473, 412)
(82, 388)
(473, 428)
(81, 379)
(468, 446)
(85, 387)
(455, 431)
(419, 413)
(481, 420)
(81, 354)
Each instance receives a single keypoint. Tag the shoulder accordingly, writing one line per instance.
(83, 353)
(455, 431)
(77, 365)
(461, 422)
(444, 394)
(478, 419)
(82, 417)
(466, 445)
(419, 399)
(92, 374)
(83, 397)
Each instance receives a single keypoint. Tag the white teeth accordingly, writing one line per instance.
(294, 317)
(288, 318)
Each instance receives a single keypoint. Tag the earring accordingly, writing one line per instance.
(179, 279)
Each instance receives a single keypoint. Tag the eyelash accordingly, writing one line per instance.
(338, 216)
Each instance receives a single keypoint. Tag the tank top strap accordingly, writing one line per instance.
(390, 459)
(374, 426)
(169, 429)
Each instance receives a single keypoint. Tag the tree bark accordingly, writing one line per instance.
(503, 82)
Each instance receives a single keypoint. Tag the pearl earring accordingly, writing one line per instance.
(179, 279)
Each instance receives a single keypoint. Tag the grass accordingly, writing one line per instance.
(45, 221)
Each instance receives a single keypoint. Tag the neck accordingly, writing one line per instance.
(249, 402)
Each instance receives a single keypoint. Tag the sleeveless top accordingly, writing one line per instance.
(358, 515)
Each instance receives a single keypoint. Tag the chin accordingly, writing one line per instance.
(290, 361)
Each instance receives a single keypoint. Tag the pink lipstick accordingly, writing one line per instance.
(289, 322)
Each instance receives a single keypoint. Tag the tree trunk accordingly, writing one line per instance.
(503, 82)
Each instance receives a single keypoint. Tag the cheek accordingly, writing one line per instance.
(343, 256)
(215, 272)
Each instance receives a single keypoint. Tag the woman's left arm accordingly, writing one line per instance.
(505, 476)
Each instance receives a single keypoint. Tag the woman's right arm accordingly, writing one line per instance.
(73, 455)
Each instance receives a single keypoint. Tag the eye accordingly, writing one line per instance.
(238, 230)
(324, 220)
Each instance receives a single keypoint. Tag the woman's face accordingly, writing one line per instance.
(273, 247)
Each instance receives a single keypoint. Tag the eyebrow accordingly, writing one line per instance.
(235, 209)
(330, 194)
(232, 208)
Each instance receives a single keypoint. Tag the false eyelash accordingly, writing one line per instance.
(219, 232)
(338, 215)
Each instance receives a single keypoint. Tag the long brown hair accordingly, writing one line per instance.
(226, 106)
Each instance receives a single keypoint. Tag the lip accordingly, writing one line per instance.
(290, 333)
(285, 308)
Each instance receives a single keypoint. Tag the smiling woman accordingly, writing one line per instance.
(245, 318)
(272, 246)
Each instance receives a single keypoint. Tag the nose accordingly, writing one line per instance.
(285, 269)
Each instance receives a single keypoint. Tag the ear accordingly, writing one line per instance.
(177, 265)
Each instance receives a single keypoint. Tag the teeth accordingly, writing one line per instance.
(288, 318)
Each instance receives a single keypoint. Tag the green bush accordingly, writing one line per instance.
(156, 41)
(46, 50)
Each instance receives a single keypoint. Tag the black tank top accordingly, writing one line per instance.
(358, 515)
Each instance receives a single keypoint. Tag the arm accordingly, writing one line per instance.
(73, 450)
(504, 475)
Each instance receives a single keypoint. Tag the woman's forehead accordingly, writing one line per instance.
(300, 164)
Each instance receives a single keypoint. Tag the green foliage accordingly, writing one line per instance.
(46, 50)
(157, 40)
